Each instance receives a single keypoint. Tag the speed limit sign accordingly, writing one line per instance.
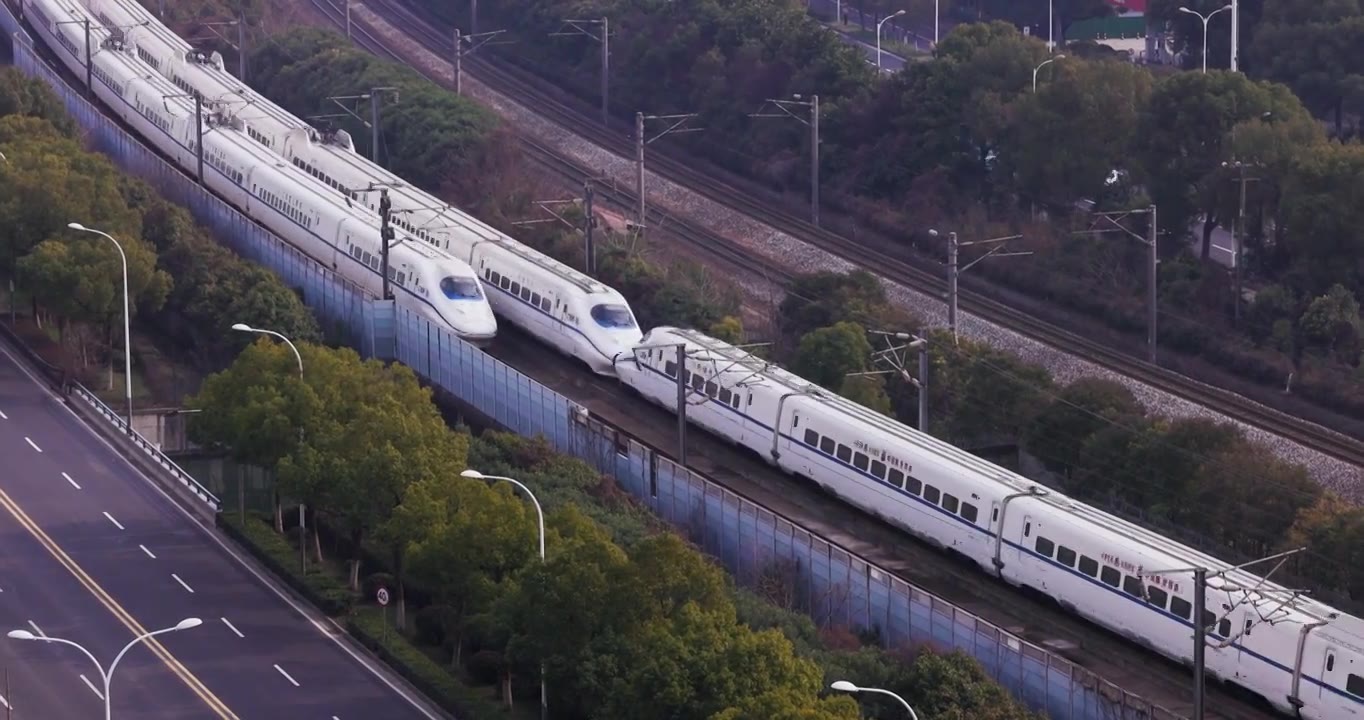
(382, 597)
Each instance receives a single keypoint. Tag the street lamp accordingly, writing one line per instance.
(897, 13)
(107, 677)
(540, 518)
(127, 336)
(847, 687)
(1039, 67)
(243, 327)
(1205, 19)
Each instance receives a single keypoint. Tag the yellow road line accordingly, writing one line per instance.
(218, 706)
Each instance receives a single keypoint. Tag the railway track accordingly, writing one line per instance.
(421, 26)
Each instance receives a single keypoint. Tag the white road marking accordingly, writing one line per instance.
(232, 627)
(74, 484)
(92, 687)
(5, 702)
(36, 629)
(286, 675)
(115, 522)
(323, 628)
(32, 444)
(182, 582)
(149, 552)
(3, 416)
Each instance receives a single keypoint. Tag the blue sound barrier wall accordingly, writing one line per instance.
(834, 586)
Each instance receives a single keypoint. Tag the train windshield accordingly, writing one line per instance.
(613, 316)
(460, 288)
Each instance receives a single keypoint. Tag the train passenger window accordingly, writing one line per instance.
(811, 437)
(698, 382)
(516, 288)
(913, 485)
(950, 503)
(878, 469)
(369, 259)
(843, 453)
(1156, 596)
(712, 388)
(505, 283)
(1110, 576)
(670, 369)
(860, 461)
(1209, 619)
(525, 293)
(1089, 566)
(1044, 546)
(1354, 685)
(1224, 628)
(1065, 556)
(1181, 607)
(896, 478)
(535, 299)
(402, 278)
(931, 494)
(969, 512)
(1132, 585)
(826, 445)
(544, 304)
(727, 398)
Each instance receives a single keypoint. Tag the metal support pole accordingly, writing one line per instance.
(241, 47)
(385, 235)
(199, 134)
(682, 404)
(374, 124)
(303, 538)
(473, 16)
(605, 72)
(1200, 638)
(241, 497)
(639, 166)
(590, 222)
(1240, 245)
(1235, 36)
(952, 284)
(459, 65)
(89, 68)
(923, 388)
(348, 19)
(814, 160)
(1151, 280)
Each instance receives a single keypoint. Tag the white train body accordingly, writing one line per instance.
(560, 306)
(343, 236)
(1290, 650)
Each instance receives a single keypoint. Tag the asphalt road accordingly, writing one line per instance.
(94, 552)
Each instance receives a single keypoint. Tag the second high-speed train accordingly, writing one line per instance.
(566, 309)
(334, 231)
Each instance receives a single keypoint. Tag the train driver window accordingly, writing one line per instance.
(826, 445)
(1110, 576)
(1354, 685)
(1089, 566)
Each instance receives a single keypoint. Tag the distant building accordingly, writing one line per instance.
(1127, 31)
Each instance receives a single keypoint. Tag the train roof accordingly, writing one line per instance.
(1267, 597)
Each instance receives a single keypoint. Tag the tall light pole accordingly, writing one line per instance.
(1235, 63)
(1206, 19)
(1051, 25)
(279, 513)
(107, 677)
(540, 518)
(127, 336)
(1043, 64)
(936, 14)
(243, 327)
(897, 13)
(847, 687)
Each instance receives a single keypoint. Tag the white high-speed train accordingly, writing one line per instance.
(1302, 656)
(560, 306)
(338, 233)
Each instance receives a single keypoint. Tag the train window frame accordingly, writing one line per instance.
(878, 469)
(1209, 620)
(970, 512)
(535, 299)
(670, 368)
(843, 453)
(712, 388)
(1065, 556)
(827, 445)
(698, 382)
(1132, 585)
(950, 503)
(1224, 627)
(727, 398)
(506, 283)
(1088, 566)
(1044, 546)
(811, 438)
(516, 288)
(1110, 576)
(1180, 608)
(1354, 684)
(544, 304)
(861, 461)
(897, 482)
(735, 401)
(913, 485)
(932, 494)
(1157, 596)
(525, 293)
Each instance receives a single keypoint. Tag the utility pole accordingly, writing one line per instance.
(682, 404)
(348, 3)
(198, 128)
(589, 224)
(374, 101)
(385, 238)
(1240, 232)
(1152, 266)
(678, 125)
(579, 27)
(473, 16)
(89, 67)
(813, 123)
(894, 356)
(475, 42)
(998, 249)
(1238, 592)
(241, 46)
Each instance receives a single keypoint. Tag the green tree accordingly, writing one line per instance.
(828, 355)
(1308, 45)
(978, 392)
(21, 94)
(1077, 412)
(729, 329)
(791, 705)
(1332, 325)
(1324, 205)
(953, 686)
(1247, 498)
(1333, 530)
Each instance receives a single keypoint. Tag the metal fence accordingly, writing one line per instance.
(834, 586)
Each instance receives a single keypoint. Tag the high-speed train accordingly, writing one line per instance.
(1302, 656)
(341, 234)
(560, 306)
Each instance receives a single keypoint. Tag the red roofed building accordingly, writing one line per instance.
(1132, 6)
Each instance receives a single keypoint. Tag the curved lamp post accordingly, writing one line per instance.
(897, 13)
(1205, 19)
(1043, 64)
(127, 336)
(243, 327)
(540, 517)
(847, 687)
(107, 677)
